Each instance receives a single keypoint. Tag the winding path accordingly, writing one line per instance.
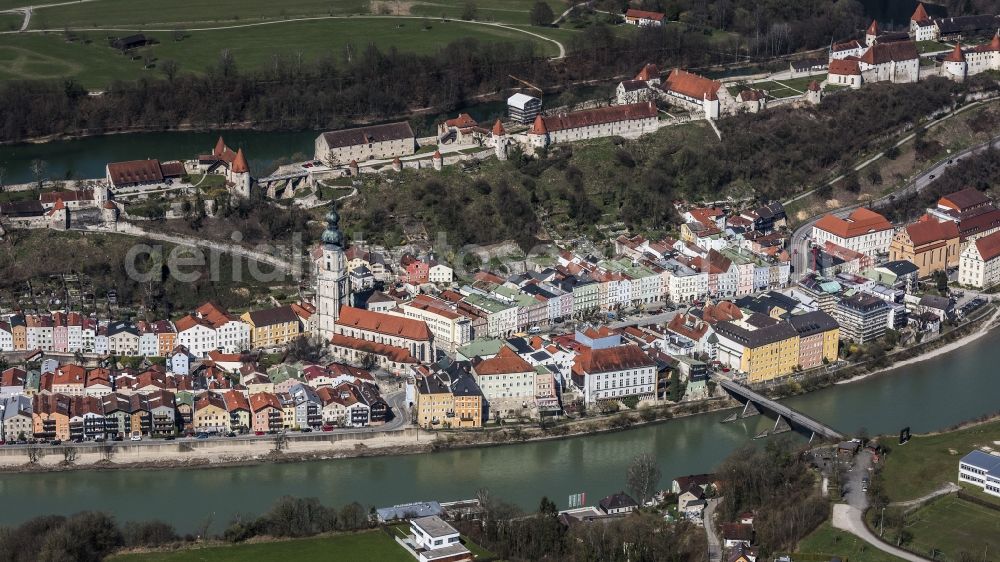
(948, 488)
(560, 46)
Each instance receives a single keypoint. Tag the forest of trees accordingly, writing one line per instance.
(777, 484)
(980, 171)
(364, 83)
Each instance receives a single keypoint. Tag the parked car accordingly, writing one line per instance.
(201, 436)
(56, 442)
(135, 438)
(307, 430)
(258, 433)
(327, 428)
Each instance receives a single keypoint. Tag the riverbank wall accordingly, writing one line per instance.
(201, 453)
(209, 453)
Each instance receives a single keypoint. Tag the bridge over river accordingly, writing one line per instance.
(787, 418)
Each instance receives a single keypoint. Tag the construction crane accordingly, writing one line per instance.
(528, 84)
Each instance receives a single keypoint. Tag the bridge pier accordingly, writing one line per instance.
(780, 425)
(731, 417)
(750, 409)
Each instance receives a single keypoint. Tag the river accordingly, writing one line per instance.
(86, 158)
(926, 396)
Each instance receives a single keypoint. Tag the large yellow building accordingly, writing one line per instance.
(929, 244)
(435, 403)
(449, 400)
(765, 348)
(272, 327)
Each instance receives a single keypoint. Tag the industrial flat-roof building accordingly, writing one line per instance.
(523, 108)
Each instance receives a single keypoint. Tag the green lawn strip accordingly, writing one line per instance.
(369, 545)
(96, 65)
(187, 13)
(926, 462)
(931, 46)
(826, 540)
(11, 22)
(952, 526)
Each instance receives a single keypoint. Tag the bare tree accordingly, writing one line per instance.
(38, 169)
(280, 442)
(642, 477)
(35, 454)
(69, 454)
(107, 452)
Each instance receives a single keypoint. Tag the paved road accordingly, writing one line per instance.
(850, 516)
(714, 544)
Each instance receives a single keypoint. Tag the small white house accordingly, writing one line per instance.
(435, 539)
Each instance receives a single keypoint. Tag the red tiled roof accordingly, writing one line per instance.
(920, 14)
(52, 196)
(872, 29)
(989, 246)
(813, 86)
(846, 46)
(688, 326)
(643, 14)
(506, 361)
(724, 311)
(235, 400)
(240, 163)
(881, 53)
(691, 85)
(956, 54)
(463, 120)
(964, 200)
(649, 72)
(927, 230)
(993, 45)
(844, 67)
(395, 354)
(263, 400)
(135, 171)
(498, 129)
(751, 95)
(13, 377)
(612, 359)
(599, 116)
(538, 127)
(383, 323)
(861, 221)
(70, 374)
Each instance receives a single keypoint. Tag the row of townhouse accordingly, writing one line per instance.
(82, 418)
(348, 404)
(209, 328)
(154, 403)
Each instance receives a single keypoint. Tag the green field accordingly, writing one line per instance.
(370, 545)
(10, 22)
(953, 526)
(833, 542)
(95, 64)
(931, 46)
(928, 461)
(787, 88)
(195, 13)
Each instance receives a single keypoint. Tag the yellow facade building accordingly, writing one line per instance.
(272, 327)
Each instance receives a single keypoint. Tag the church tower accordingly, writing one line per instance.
(330, 265)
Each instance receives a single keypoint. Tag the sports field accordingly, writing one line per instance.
(952, 526)
(95, 64)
